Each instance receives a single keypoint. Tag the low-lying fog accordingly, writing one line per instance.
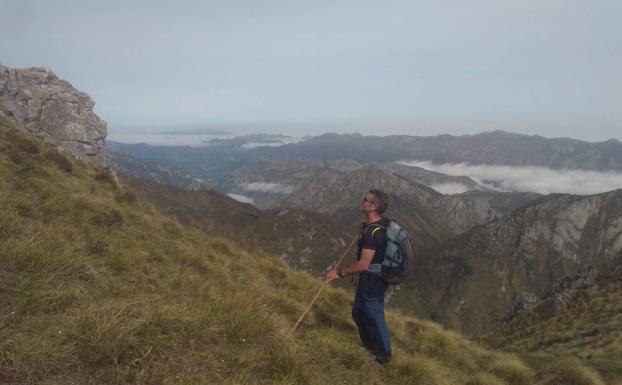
(537, 179)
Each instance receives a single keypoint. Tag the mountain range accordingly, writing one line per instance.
(496, 147)
(105, 276)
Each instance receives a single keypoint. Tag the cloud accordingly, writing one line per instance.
(281, 142)
(450, 188)
(542, 180)
(261, 144)
(269, 187)
(240, 198)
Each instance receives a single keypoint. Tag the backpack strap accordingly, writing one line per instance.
(375, 268)
(374, 227)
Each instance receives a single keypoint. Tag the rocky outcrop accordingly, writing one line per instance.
(523, 302)
(560, 294)
(41, 103)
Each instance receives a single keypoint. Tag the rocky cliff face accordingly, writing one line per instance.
(41, 103)
(527, 251)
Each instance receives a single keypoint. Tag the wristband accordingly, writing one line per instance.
(340, 273)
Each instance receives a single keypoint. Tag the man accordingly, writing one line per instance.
(368, 307)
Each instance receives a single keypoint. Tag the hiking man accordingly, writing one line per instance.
(368, 307)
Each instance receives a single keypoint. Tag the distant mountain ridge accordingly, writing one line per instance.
(230, 167)
(290, 173)
(496, 147)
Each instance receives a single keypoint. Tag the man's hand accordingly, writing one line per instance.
(331, 274)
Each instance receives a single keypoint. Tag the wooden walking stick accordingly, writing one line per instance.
(321, 288)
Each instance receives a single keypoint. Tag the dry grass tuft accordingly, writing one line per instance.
(569, 371)
(59, 159)
(485, 378)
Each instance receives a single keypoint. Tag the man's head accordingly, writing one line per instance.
(375, 200)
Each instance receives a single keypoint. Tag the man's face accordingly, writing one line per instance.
(368, 204)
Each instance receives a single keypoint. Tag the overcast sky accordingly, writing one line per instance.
(549, 67)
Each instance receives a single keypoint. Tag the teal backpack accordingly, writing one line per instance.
(399, 258)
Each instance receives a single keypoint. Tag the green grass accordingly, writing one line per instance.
(97, 287)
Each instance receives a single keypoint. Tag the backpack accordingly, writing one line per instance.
(399, 257)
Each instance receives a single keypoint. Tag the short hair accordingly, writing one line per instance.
(382, 200)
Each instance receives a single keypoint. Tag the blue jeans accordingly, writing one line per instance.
(368, 314)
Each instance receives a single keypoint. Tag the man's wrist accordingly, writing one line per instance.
(340, 273)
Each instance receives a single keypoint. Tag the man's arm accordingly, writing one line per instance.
(361, 265)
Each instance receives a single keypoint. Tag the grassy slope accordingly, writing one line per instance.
(98, 288)
(589, 328)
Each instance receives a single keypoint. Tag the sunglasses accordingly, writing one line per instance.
(367, 200)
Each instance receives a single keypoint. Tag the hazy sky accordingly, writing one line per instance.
(420, 67)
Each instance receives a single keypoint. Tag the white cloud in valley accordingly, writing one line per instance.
(241, 198)
(542, 180)
(269, 187)
(450, 188)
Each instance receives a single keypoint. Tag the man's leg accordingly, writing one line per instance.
(376, 322)
(378, 330)
(359, 314)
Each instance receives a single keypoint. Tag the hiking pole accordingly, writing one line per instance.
(321, 288)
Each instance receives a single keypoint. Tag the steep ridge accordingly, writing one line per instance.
(581, 315)
(213, 165)
(99, 287)
(429, 178)
(306, 241)
(291, 172)
(472, 281)
(151, 171)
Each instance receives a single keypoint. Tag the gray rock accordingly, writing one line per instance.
(522, 302)
(42, 104)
